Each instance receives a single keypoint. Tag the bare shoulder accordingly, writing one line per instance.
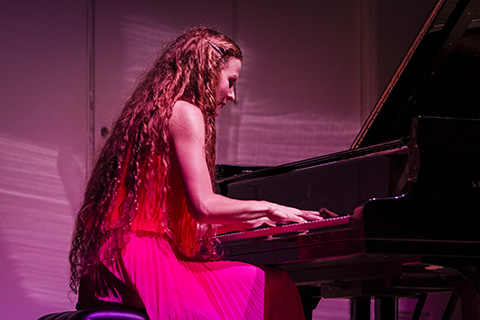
(186, 119)
(185, 112)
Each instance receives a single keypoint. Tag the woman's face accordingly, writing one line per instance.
(228, 75)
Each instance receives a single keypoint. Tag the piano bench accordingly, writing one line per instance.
(104, 313)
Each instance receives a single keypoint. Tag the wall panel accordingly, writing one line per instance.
(43, 139)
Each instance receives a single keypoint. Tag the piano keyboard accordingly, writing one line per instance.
(289, 229)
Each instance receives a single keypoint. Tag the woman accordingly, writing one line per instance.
(144, 235)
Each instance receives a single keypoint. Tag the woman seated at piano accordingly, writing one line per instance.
(145, 233)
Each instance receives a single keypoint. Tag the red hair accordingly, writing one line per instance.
(188, 69)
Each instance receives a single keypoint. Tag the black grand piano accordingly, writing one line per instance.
(407, 192)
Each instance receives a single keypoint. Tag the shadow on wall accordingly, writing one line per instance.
(38, 198)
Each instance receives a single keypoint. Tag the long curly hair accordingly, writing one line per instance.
(188, 69)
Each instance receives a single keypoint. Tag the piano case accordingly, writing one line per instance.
(407, 191)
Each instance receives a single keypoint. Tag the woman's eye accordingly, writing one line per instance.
(230, 83)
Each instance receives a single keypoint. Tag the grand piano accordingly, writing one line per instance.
(407, 193)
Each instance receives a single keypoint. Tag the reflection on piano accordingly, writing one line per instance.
(408, 189)
(288, 230)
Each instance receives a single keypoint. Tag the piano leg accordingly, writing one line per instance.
(310, 298)
(385, 308)
(360, 308)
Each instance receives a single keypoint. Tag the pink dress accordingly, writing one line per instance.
(151, 275)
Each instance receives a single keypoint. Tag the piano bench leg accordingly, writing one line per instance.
(360, 308)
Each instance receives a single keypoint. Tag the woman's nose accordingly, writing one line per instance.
(231, 94)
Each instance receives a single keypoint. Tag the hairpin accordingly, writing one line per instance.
(217, 48)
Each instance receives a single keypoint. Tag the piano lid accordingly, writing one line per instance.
(439, 75)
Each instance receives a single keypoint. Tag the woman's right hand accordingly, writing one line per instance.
(282, 214)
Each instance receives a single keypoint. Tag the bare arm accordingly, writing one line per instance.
(188, 136)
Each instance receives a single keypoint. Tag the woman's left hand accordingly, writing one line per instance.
(245, 225)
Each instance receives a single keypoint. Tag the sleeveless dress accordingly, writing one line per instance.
(154, 275)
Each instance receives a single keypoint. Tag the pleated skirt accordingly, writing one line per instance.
(171, 288)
